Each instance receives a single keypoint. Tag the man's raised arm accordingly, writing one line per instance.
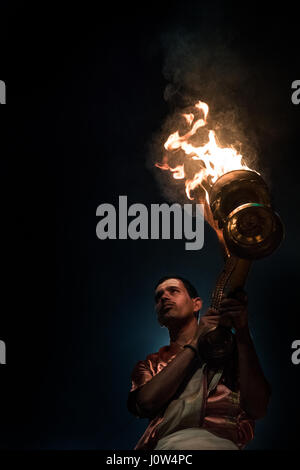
(255, 391)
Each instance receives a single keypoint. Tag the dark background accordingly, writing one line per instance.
(85, 100)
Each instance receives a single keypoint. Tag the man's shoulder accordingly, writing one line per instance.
(154, 357)
(151, 358)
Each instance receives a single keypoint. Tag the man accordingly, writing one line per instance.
(191, 406)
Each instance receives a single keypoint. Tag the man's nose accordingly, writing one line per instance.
(165, 296)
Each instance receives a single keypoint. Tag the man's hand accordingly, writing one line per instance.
(208, 322)
(233, 312)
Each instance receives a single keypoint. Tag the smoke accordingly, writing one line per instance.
(203, 65)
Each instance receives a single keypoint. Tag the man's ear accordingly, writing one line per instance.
(197, 304)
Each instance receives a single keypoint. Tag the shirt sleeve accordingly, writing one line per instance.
(141, 374)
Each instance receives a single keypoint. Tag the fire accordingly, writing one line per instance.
(178, 171)
(213, 160)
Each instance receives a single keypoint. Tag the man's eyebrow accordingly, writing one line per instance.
(160, 291)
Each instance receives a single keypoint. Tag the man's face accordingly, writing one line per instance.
(173, 303)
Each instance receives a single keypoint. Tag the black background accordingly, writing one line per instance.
(85, 101)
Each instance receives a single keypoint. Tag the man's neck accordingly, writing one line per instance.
(183, 334)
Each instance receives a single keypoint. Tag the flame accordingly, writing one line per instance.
(178, 171)
(214, 161)
(189, 118)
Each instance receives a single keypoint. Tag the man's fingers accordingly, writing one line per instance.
(210, 311)
(212, 328)
(242, 296)
(233, 308)
(229, 314)
(229, 302)
(211, 319)
(239, 298)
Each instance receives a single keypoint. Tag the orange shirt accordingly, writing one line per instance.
(223, 415)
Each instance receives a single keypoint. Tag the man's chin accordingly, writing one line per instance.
(167, 318)
(163, 318)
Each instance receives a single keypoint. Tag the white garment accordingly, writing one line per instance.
(186, 411)
(194, 439)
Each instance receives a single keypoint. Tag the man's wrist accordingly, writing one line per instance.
(194, 348)
(194, 344)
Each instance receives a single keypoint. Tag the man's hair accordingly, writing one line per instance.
(189, 287)
(192, 291)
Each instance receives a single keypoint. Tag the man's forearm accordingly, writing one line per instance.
(254, 388)
(159, 390)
